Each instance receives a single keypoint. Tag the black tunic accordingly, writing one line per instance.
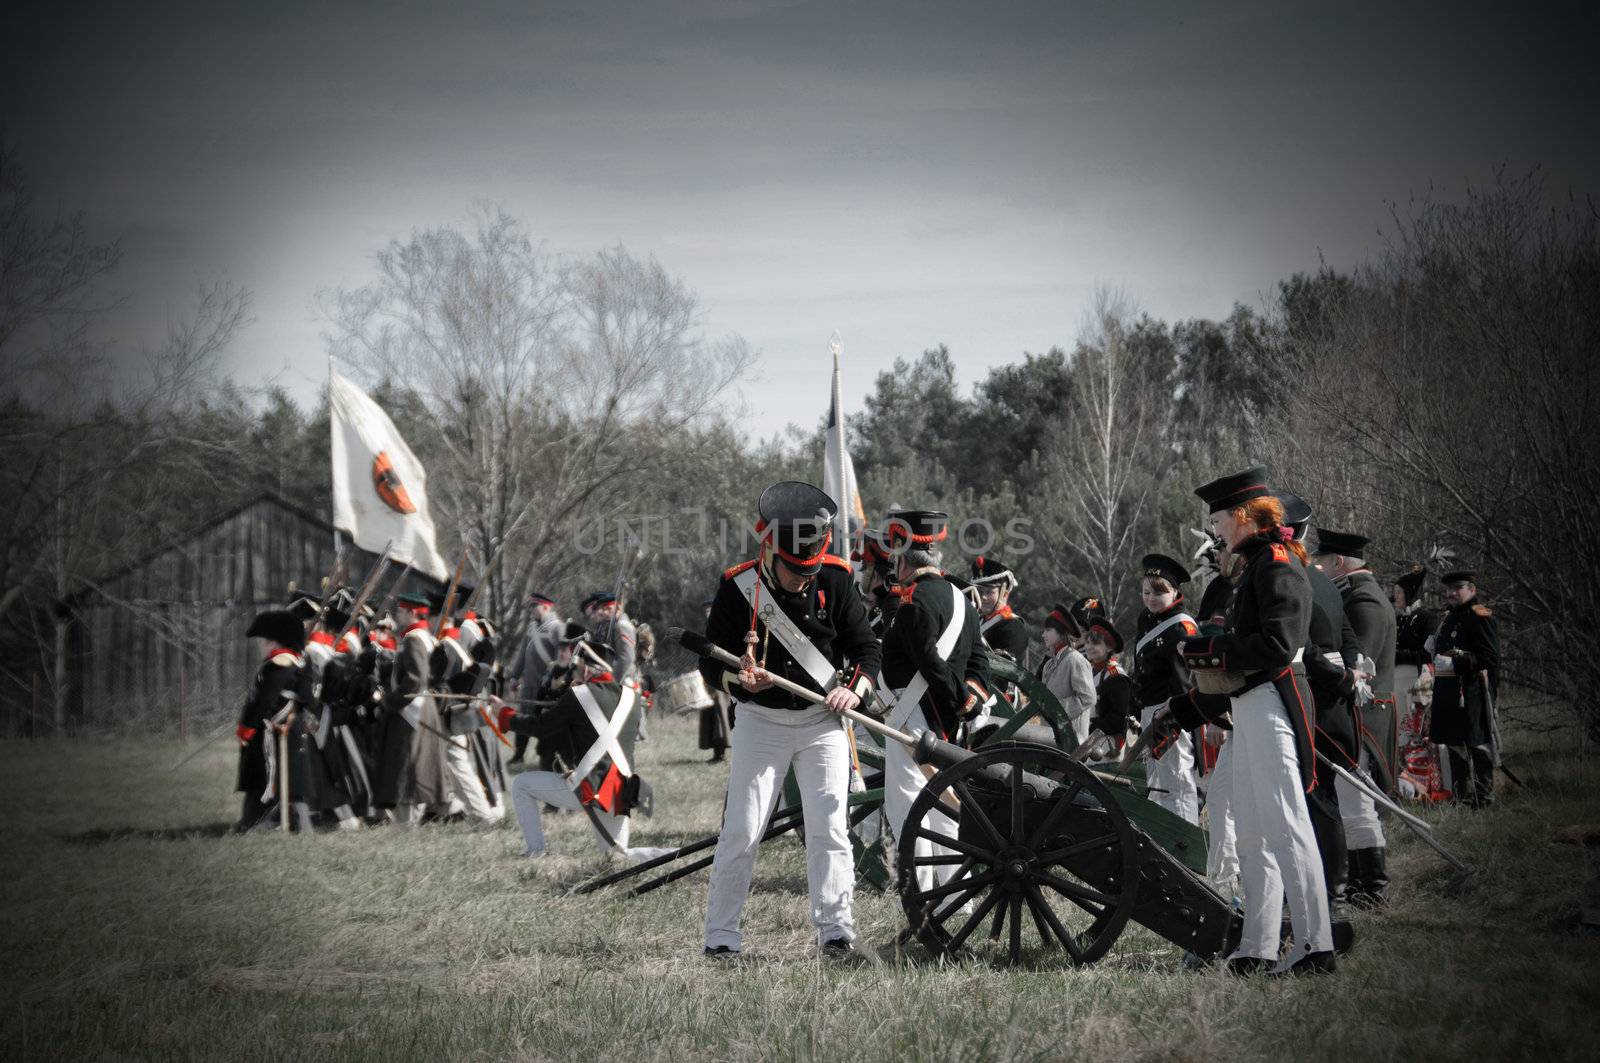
(830, 613)
(911, 646)
(277, 675)
(1009, 635)
(564, 729)
(1412, 629)
(1269, 622)
(1158, 671)
(1470, 637)
(1332, 685)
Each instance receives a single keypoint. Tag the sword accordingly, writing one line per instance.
(1494, 729)
(1419, 827)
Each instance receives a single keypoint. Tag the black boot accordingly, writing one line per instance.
(1312, 963)
(1377, 883)
(1356, 890)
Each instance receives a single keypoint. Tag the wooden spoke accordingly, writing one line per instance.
(940, 861)
(1057, 811)
(1082, 896)
(1016, 804)
(965, 848)
(1042, 910)
(998, 923)
(1056, 856)
(974, 919)
(970, 803)
(956, 884)
(1016, 928)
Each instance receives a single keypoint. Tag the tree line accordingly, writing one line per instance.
(575, 417)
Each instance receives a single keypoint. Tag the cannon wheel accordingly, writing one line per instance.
(1016, 878)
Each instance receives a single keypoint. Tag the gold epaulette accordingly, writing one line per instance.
(736, 569)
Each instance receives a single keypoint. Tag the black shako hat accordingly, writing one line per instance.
(875, 549)
(1296, 513)
(1460, 575)
(1227, 492)
(917, 529)
(1103, 623)
(598, 598)
(540, 598)
(1411, 582)
(1346, 544)
(280, 626)
(1081, 613)
(1163, 567)
(1060, 617)
(796, 523)
(987, 571)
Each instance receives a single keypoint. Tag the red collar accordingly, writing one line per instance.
(603, 677)
(322, 638)
(283, 651)
(349, 644)
(385, 641)
(1004, 613)
(450, 633)
(469, 615)
(423, 624)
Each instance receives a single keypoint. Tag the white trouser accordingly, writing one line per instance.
(902, 782)
(466, 787)
(532, 787)
(1222, 850)
(766, 743)
(1173, 772)
(1278, 854)
(1358, 810)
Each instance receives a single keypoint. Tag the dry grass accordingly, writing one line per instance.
(135, 931)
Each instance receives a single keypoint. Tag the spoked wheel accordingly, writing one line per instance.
(1042, 857)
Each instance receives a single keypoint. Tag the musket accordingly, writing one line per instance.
(450, 594)
(394, 589)
(369, 585)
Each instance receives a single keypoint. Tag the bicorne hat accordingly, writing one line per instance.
(280, 626)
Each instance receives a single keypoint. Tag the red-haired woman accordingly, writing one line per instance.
(1273, 765)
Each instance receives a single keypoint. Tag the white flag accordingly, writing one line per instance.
(839, 472)
(380, 492)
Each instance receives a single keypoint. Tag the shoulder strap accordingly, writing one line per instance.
(607, 731)
(802, 649)
(1175, 618)
(910, 696)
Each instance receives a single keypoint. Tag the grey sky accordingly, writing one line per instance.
(908, 174)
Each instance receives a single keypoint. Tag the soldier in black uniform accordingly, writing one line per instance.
(1332, 654)
(1159, 675)
(793, 611)
(609, 789)
(1257, 659)
(883, 598)
(1002, 629)
(285, 637)
(934, 665)
(1414, 624)
(716, 719)
(1466, 676)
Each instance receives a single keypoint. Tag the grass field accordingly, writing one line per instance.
(134, 929)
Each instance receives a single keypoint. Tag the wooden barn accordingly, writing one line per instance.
(161, 645)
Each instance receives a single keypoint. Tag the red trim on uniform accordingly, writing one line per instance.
(837, 562)
(1280, 552)
(898, 533)
(384, 642)
(1311, 732)
(322, 638)
(346, 645)
(469, 615)
(736, 569)
(606, 796)
(603, 677)
(1060, 617)
(1004, 613)
(244, 733)
(420, 624)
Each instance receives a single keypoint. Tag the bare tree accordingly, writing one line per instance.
(542, 381)
(1103, 465)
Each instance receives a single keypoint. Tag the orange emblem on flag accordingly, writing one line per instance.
(387, 483)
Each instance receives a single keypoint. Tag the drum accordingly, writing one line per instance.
(683, 693)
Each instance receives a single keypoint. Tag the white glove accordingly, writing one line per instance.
(1363, 693)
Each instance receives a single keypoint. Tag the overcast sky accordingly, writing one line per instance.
(905, 173)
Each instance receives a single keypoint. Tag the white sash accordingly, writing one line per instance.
(802, 649)
(608, 730)
(910, 696)
(1175, 618)
(991, 622)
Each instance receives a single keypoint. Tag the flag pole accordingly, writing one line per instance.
(336, 542)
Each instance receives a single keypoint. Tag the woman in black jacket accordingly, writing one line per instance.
(1257, 659)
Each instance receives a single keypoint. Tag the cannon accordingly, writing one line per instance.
(1042, 853)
